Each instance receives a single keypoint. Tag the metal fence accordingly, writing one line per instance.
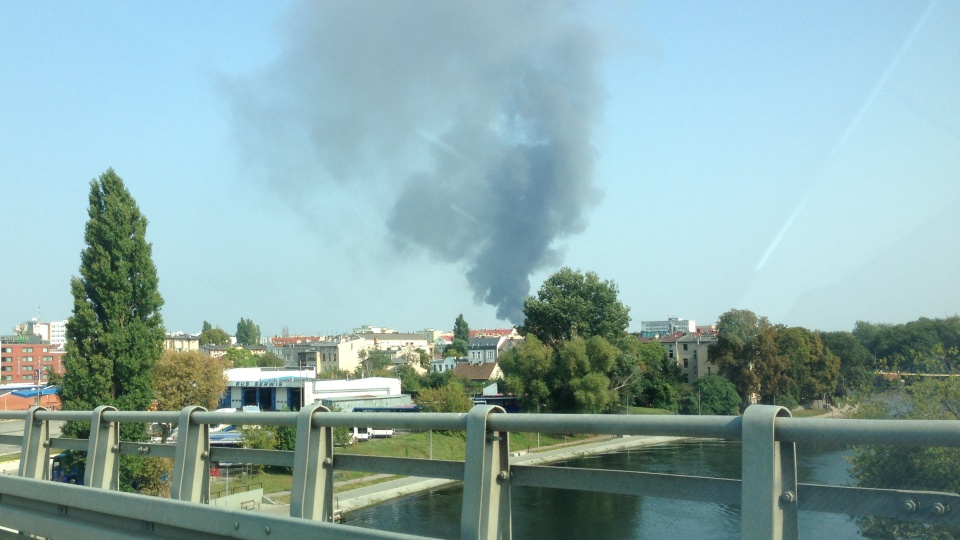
(768, 492)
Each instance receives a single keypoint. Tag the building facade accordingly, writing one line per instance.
(691, 352)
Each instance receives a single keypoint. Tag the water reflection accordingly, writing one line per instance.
(557, 513)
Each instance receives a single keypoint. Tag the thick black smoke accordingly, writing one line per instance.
(479, 113)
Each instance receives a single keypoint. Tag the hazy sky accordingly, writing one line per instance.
(325, 165)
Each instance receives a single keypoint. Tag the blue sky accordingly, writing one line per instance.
(800, 159)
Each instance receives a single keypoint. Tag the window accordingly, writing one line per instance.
(28, 349)
(28, 377)
(685, 363)
(7, 359)
(684, 346)
(26, 368)
(48, 359)
(6, 368)
(7, 378)
(26, 359)
(45, 349)
(7, 349)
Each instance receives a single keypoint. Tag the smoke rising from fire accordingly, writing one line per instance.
(475, 117)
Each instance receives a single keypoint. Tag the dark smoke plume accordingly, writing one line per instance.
(479, 113)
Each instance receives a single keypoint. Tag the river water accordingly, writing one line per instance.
(540, 513)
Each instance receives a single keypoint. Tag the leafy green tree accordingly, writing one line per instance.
(268, 359)
(247, 332)
(451, 397)
(410, 380)
(461, 330)
(239, 357)
(116, 333)
(372, 361)
(342, 436)
(856, 362)
(181, 379)
(736, 352)
(716, 396)
(213, 336)
(571, 303)
(457, 349)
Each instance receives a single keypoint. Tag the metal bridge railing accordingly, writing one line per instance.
(768, 492)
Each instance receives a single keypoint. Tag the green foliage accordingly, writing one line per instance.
(780, 364)
(181, 379)
(581, 375)
(342, 436)
(570, 304)
(921, 346)
(461, 330)
(716, 396)
(188, 378)
(268, 359)
(448, 398)
(928, 469)
(410, 380)
(213, 336)
(856, 362)
(372, 361)
(663, 382)
(115, 334)
(247, 332)
(239, 357)
(457, 349)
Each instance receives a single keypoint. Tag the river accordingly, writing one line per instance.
(540, 513)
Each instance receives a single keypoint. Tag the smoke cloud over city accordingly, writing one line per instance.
(474, 118)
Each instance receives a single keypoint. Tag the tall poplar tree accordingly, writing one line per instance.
(116, 333)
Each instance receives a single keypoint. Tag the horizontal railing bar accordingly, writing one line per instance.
(892, 503)
(245, 418)
(65, 416)
(69, 444)
(204, 520)
(421, 421)
(141, 417)
(11, 439)
(275, 458)
(712, 427)
(849, 432)
(641, 484)
(449, 470)
(156, 450)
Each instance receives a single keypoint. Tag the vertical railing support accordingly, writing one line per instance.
(35, 449)
(486, 479)
(103, 452)
(191, 463)
(311, 496)
(769, 487)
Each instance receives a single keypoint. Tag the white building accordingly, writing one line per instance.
(667, 327)
(276, 389)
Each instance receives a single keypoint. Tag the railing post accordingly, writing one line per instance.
(311, 496)
(35, 449)
(486, 479)
(103, 450)
(769, 488)
(191, 464)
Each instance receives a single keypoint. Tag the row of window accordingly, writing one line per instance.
(26, 359)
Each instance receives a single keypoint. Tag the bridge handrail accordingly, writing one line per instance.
(768, 493)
